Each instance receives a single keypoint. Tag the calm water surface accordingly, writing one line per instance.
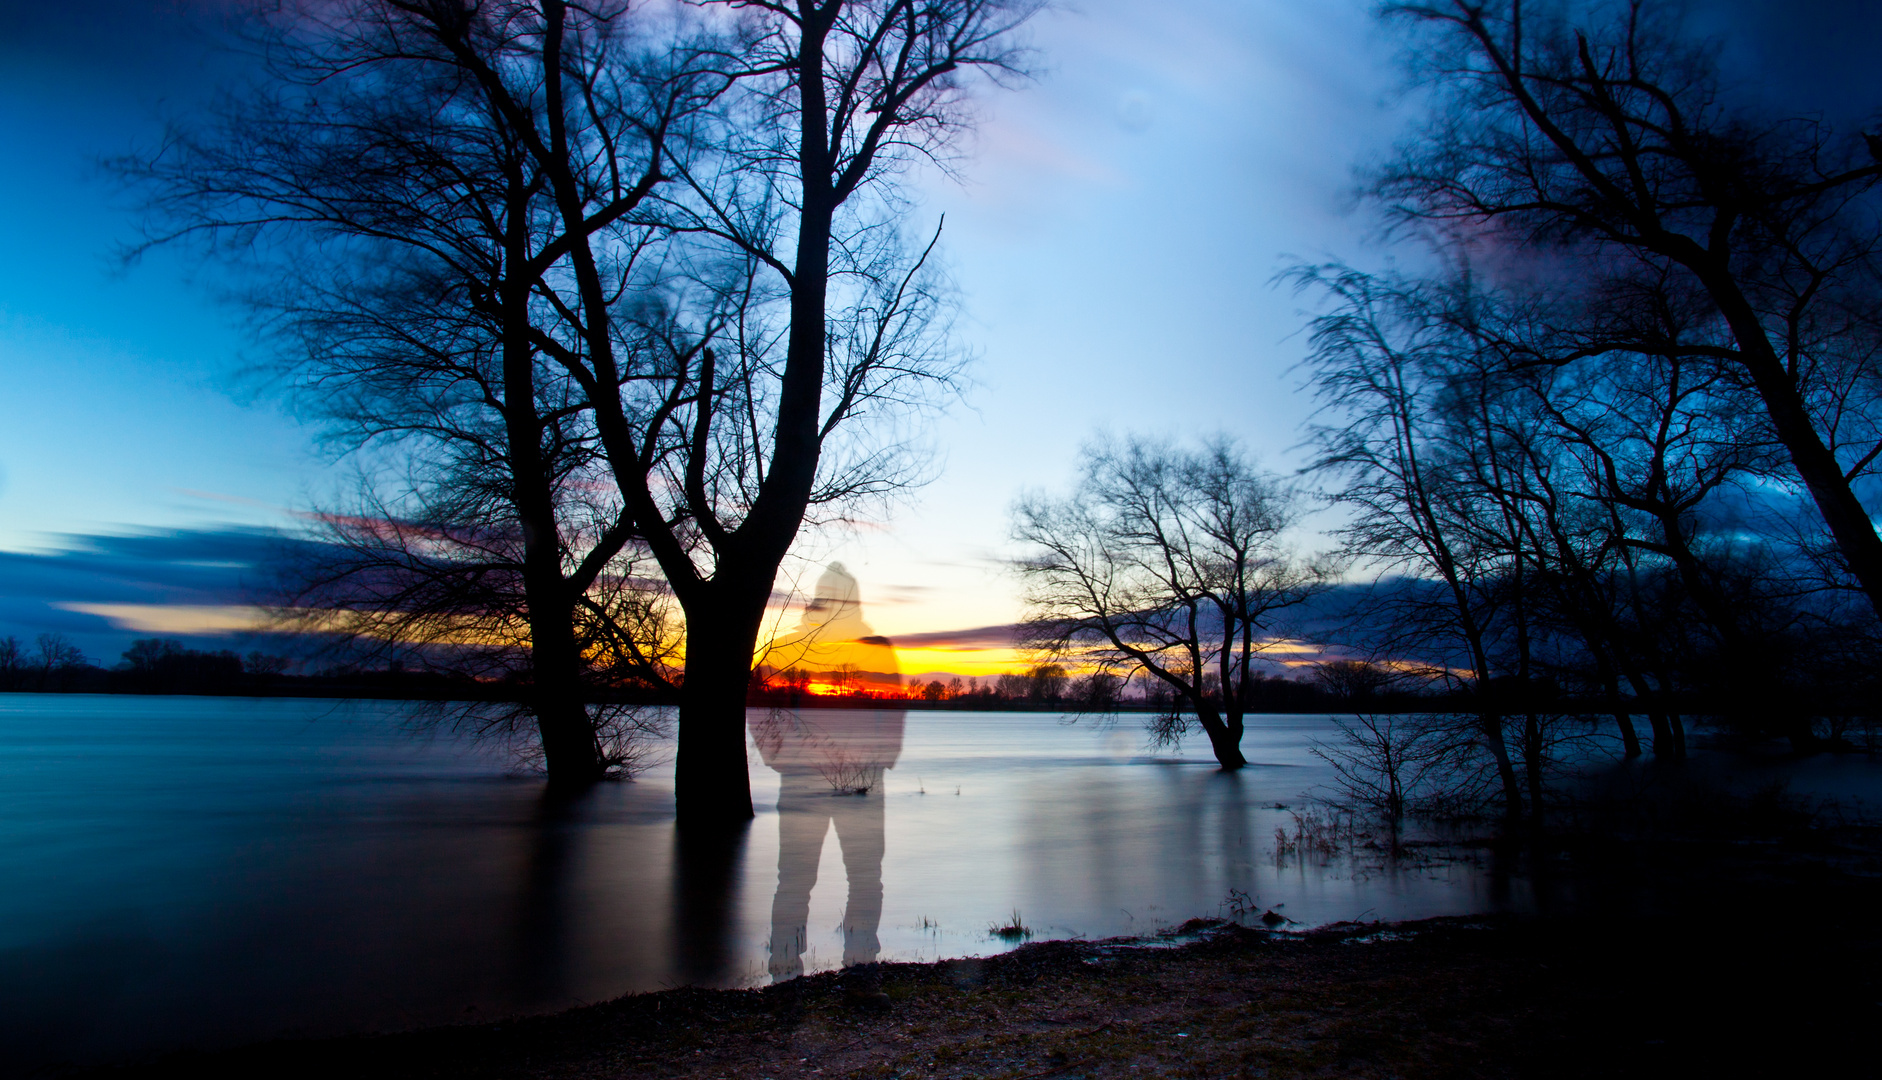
(201, 871)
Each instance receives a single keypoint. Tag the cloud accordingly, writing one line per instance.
(103, 589)
(184, 566)
(1001, 637)
(188, 619)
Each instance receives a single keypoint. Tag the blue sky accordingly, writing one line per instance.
(1114, 237)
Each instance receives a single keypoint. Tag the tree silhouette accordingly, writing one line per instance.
(1608, 142)
(390, 199)
(1164, 563)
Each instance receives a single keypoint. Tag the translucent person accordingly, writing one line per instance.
(830, 763)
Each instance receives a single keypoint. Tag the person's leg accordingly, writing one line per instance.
(803, 819)
(859, 824)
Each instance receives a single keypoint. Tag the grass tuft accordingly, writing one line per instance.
(1015, 930)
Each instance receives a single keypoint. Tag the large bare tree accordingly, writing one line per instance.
(1602, 134)
(389, 198)
(1402, 454)
(796, 329)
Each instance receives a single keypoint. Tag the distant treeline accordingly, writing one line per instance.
(1339, 686)
(1048, 688)
(51, 664)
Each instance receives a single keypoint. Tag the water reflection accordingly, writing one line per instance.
(707, 872)
(287, 872)
(830, 766)
(536, 943)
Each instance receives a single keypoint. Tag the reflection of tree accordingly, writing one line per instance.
(706, 899)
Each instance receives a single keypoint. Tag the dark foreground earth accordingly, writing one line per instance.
(1737, 958)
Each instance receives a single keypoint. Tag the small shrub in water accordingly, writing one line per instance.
(1012, 931)
(1313, 834)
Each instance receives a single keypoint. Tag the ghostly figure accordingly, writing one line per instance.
(830, 763)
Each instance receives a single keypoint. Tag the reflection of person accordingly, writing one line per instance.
(830, 764)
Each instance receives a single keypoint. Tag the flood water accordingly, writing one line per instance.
(204, 871)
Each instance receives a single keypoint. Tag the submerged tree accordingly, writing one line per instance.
(1168, 564)
(1551, 485)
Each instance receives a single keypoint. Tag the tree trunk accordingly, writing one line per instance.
(1630, 739)
(1849, 523)
(570, 753)
(1532, 764)
(1662, 733)
(1490, 724)
(706, 902)
(1656, 713)
(712, 784)
(1225, 738)
(1611, 685)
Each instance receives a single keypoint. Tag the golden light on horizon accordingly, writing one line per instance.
(176, 618)
(916, 663)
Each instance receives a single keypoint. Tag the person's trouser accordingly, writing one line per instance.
(806, 810)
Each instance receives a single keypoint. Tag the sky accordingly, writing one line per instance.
(1115, 230)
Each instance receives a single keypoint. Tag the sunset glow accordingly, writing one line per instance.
(175, 618)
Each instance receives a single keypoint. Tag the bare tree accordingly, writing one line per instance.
(763, 390)
(1654, 434)
(1353, 682)
(55, 653)
(1558, 507)
(1396, 763)
(1166, 563)
(1605, 138)
(616, 245)
(391, 198)
(1377, 360)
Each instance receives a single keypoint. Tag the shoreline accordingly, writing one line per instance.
(1739, 941)
(1656, 994)
(973, 1016)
